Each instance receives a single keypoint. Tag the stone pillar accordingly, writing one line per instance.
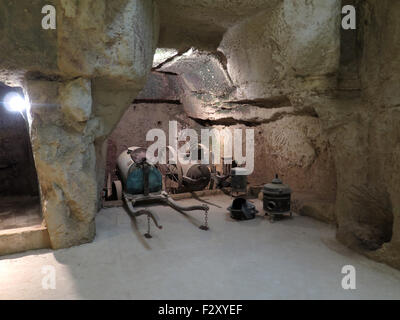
(80, 78)
(63, 144)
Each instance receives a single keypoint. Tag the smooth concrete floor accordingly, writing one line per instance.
(290, 259)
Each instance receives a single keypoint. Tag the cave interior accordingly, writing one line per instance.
(322, 108)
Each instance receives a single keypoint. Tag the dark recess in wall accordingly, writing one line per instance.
(17, 169)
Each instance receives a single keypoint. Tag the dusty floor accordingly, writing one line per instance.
(291, 259)
(19, 212)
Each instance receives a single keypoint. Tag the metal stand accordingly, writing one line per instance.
(203, 207)
(205, 225)
(271, 218)
(136, 213)
(162, 197)
(272, 215)
(148, 235)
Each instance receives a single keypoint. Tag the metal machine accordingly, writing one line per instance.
(188, 177)
(241, 209)
(141, 181)
(238, 180)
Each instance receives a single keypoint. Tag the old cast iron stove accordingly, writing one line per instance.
(276, 199)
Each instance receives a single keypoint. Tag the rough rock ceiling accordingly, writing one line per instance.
(201, 23)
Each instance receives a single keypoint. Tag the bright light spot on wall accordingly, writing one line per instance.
(15, 102)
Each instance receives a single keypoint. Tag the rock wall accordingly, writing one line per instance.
(299, 55)
(292, 49)
(80, 79)
(202, 23)
(370, 165)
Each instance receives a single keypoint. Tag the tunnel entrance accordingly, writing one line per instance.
(19, 190)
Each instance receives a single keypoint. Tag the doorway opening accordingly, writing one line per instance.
(19, 190)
